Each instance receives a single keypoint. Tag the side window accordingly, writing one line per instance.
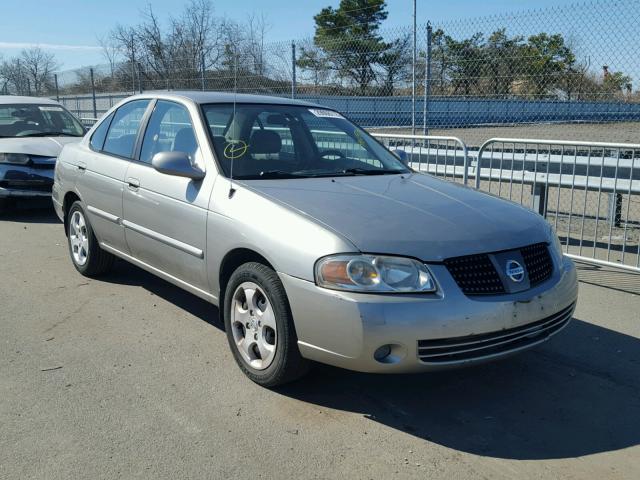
(169, 130)
(100, 133)
(121, 138)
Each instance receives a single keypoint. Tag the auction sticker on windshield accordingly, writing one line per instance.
(325, 113)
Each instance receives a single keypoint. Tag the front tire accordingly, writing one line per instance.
(259, 326)
(86, 254)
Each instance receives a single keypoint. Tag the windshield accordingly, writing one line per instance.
(283, 141)
(32, 120)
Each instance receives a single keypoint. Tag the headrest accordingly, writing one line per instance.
(185, 141)
(265, 141)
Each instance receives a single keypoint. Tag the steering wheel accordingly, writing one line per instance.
(333, 152)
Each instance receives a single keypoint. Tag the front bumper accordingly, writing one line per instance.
(25, 181)
(345, 329)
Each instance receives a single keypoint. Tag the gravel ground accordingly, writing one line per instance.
(626, 132)
(130, 377)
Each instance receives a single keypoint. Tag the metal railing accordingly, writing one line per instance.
(441, 156)
(589, 191)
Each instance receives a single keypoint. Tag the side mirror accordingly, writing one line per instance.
(177, 164)
(402, 155)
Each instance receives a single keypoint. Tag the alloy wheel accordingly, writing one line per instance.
(253, 322)
(78, 238)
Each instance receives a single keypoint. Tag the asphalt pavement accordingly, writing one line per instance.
(130, 377)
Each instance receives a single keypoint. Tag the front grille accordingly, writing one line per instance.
(42, 166)
(475, 274)
(459, 349)
(538, 262)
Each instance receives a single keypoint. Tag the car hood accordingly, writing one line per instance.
(40, 146)
(413, 215)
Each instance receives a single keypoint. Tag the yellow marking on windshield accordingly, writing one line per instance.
(235, 149)
(359, 138)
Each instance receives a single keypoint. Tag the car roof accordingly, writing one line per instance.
(17, 99)
(224, 97)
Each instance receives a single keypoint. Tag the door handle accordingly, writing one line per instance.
(133, 183)
(82, 166)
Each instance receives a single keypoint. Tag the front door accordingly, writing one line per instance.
(165, 216)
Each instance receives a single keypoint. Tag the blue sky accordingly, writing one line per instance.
(71, 28)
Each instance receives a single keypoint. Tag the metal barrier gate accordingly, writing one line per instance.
(590, 192)
(445, 157)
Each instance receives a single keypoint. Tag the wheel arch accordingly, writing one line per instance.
(231, 261)
(69, 199)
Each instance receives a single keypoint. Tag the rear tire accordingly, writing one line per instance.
(85, 251)
(259, 327)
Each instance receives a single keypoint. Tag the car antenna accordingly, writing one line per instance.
(234, 120)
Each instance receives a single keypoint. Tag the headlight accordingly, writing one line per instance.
(17, 158)
(373, 273)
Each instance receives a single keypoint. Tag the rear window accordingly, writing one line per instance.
(123, 131)
(100, 133)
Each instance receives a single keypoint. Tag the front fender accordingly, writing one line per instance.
(290, 241)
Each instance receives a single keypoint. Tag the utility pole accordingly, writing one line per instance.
(55, 79)
(202, 71)
(427, 80)
(93, 94)
(293, 69)
(133, 67)
(140, 77)
(413, 70)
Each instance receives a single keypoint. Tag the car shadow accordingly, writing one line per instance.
(576, 395)
(125, 273)
(32, 211)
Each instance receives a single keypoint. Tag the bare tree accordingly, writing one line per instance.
(124, 39)
(171, 57)
(257, 28)
(111, 52)
(31, 73)
(39, 67)
(199, 32)
(14, 77)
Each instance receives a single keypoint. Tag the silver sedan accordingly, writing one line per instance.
(315, 242)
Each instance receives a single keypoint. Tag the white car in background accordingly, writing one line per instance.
(32, 133)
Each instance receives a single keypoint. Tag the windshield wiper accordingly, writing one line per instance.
(271, 174)
(49, 134)
(368, 171)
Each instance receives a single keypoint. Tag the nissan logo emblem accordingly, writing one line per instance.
(514, 271)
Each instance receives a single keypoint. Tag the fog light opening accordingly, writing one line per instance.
(382, 352)
(389, 353)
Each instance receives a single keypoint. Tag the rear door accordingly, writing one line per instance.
(164, 215)
(102, 172)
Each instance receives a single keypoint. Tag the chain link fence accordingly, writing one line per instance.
(569, 72)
